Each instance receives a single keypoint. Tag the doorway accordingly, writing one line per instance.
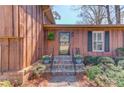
(64, 43)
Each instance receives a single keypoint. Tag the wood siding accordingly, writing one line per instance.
(79, 39)
(31, 17)
(21, 36)
(10, 54)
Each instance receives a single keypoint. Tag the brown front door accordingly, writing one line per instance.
(64, 43)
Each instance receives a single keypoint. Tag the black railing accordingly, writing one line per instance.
(73, 60)
(52, 59)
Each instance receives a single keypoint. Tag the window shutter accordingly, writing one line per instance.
(89, 40)
(107, 41)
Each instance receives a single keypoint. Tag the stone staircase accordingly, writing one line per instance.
(63, 71)
(63, 65)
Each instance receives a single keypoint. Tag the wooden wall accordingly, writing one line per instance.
(21, 36)
(10, 54)
(32, 32)
(80, 40)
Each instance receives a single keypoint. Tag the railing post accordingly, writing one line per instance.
(73, 62)
(52, 59)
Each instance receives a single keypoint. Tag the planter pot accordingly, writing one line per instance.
(46, 61)
(78, 61)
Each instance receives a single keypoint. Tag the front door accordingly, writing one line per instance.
(64, 43)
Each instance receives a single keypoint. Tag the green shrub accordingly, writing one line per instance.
(120, 82)
(51, 36)
(107, 74)
(104, 81)
(37, 71)
(5, 83)
(93, 71)
(120, 51)
(117, 59)
(121, 64)
(105, 60)
(91, 60)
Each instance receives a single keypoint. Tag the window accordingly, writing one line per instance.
(98, 41)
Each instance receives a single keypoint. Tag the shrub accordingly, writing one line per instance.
(105, 60)
(91, 60)
(120, 51)
(37, 71)
(120, 82)
(104, 81)
(93, 71)
(121, 64)
(107, 75)
(5, 83)
(117, 59)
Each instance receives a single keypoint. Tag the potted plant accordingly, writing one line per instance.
(46, 59)
(78, 59)
(51, 36)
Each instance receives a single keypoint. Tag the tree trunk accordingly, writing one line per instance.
(108, 14)
(117, 14)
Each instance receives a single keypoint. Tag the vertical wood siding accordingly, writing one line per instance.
(23, 45)
(10, 54)
(6, 18)
(80, 40)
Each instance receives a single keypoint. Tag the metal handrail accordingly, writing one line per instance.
(73, 60)
(52, 59)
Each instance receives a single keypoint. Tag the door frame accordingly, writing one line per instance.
(69, 42)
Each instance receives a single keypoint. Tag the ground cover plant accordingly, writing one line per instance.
(106, 73)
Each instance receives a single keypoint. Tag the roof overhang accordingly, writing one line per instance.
(87, 27)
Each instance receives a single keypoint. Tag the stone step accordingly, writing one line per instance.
(64, 84)
(66, 78)
(63, 73)
(62, 62)
(62, 58)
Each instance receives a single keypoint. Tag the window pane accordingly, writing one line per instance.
(94, 36)
(99, 36)
(95, 46)
(99, 46)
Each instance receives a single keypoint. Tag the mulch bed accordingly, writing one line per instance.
(36, 83)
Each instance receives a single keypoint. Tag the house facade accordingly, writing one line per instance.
(24, 38)
(91, 40)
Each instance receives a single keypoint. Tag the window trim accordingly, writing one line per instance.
(103, 33)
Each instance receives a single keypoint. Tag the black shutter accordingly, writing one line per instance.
(89, 40)
(107, 41)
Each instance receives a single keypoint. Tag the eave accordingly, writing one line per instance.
(86, 27)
